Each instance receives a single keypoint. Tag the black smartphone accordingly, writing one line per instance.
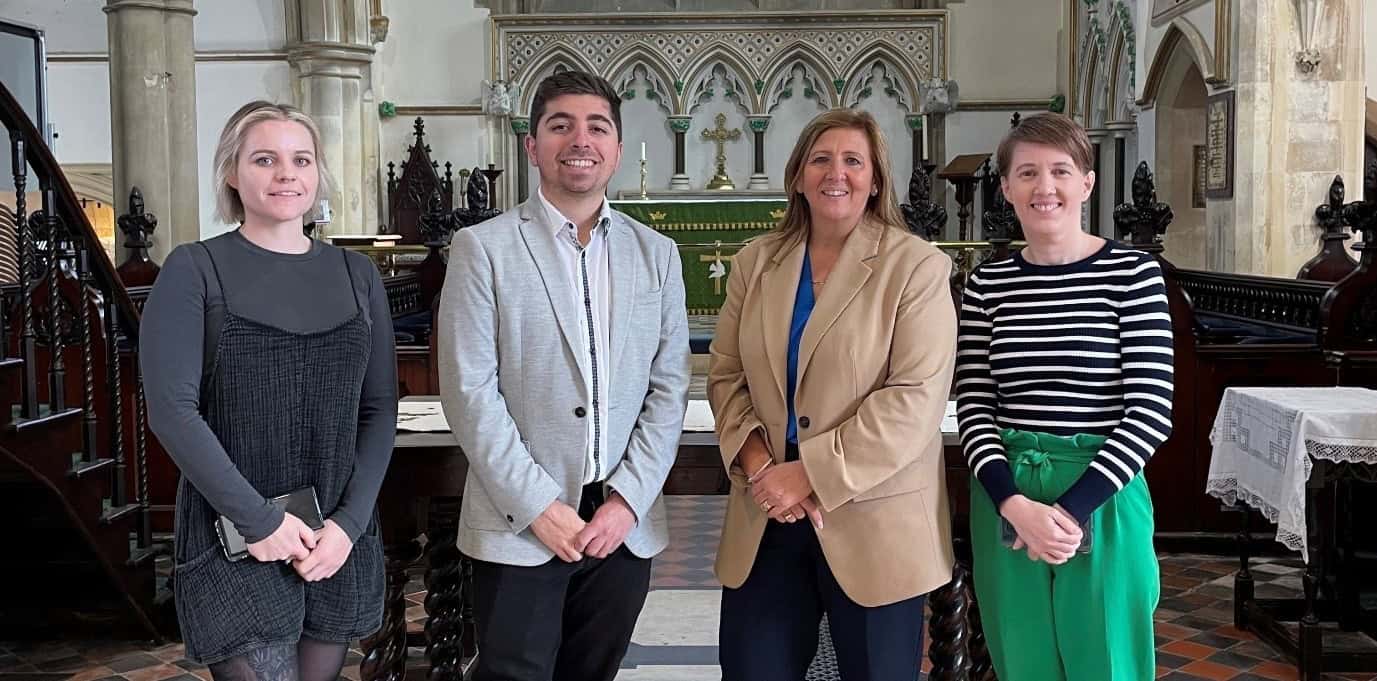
(1007, 534)
(302, 503)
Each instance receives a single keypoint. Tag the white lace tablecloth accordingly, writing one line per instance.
(1265, 439)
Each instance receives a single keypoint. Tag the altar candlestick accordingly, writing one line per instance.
(925, 137)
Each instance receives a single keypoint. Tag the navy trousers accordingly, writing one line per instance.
(769, 626)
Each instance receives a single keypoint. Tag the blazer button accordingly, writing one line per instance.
(803, 422)
(580, 412)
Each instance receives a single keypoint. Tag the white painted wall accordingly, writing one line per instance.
(70, 25)
(436, 54)
(79, 108)
(241, 25)
(1029, 29)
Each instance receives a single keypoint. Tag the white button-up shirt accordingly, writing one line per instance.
(587, 270)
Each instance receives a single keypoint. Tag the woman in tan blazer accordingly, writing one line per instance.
(830, 371)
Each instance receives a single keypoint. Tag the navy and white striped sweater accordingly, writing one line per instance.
(1065, 349)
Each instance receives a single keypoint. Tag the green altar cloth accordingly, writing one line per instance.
(708, 233)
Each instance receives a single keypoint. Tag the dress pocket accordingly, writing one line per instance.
(349, 605)
(223, 605)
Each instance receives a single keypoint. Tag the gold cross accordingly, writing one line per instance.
(720, 135)
(717, 281)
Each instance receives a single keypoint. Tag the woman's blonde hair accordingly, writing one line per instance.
(229, 208)
(881, 207)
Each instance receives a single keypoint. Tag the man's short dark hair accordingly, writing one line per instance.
(575, 83)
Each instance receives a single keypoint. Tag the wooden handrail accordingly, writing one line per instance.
(68, 208)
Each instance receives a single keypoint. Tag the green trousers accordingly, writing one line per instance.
(1088, 619)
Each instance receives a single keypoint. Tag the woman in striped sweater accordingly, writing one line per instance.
(1064, 388)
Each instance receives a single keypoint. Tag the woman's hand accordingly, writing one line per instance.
(332, 549)
(292, 540)
(781, 487)
(808, 508)
(1049, 533)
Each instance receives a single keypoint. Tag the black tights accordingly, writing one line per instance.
(308, 660)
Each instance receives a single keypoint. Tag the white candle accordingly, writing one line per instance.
(642, 150)
(492, 153)
(925, 137)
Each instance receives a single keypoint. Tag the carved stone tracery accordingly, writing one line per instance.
(755, 50)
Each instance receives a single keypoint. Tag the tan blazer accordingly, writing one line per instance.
(874, 372)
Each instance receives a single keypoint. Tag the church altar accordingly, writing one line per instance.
(708, 232)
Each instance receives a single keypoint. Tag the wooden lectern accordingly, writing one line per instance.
(963, 173)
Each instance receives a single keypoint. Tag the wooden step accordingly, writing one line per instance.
(114, 513)
(82, 469)
(45, 419)
(140, 556)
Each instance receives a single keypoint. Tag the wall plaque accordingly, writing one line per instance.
(1219, 146)
(1201, 167)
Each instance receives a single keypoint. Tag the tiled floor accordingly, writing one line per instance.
(676, 637)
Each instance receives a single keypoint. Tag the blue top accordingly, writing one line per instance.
(803, 308)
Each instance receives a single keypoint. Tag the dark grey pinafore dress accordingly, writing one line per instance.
(285, 406)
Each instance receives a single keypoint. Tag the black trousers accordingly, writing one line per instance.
(769, 626)
(558, 621)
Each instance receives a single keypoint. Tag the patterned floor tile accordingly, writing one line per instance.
(1195, 634)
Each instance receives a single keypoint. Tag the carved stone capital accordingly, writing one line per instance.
(171, 6)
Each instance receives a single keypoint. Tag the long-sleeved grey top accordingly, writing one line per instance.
(296, 292)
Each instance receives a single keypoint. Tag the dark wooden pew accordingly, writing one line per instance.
(1242, 330)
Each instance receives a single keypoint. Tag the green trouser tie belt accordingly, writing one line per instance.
(1089, 619)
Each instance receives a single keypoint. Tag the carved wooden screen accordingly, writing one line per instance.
(410, 196)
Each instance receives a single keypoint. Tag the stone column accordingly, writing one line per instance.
(1295, 129)
(918, 133)
(1100, 218)
(759, 178)
(332, 60)
(680, 126)
(521, 127)
(153, 114)
(1116, 174)
(935, 130)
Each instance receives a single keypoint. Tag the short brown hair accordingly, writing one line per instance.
(1050, 129)
(575, 83)
(882, 207)
(229, 208)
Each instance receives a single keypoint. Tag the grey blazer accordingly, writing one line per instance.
(510, 379)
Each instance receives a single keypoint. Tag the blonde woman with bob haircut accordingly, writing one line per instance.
(829, 377)
(1063, 392)
(269, 367)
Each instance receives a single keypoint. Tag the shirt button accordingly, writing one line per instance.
(803, 422)
(580, 412)
(510, 519)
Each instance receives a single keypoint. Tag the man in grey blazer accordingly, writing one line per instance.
(564, 371)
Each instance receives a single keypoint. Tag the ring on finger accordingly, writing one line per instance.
(766, 506)
(790, 516)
